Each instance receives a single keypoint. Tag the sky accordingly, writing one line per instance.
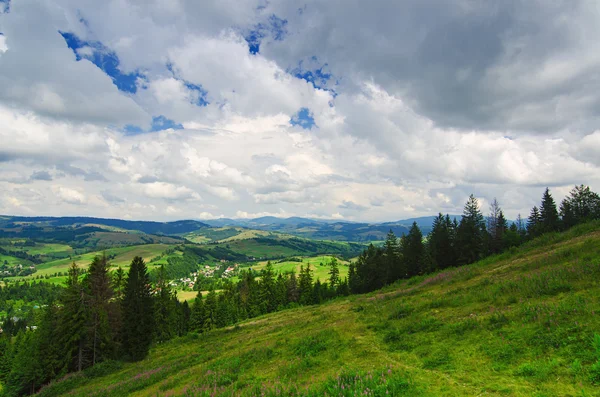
(337, 109)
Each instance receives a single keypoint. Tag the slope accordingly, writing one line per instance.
(517, 324)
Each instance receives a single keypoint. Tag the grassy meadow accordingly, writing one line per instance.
(123, 257)
(319, 265)
(522, 323)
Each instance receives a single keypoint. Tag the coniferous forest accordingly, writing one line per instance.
(102, 316)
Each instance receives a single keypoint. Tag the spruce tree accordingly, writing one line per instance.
(100, 292)
(306, 285)
(197, 315)
(73, 321)
(413, 251)
(267, 287)
(293, 294)
(164, 308)
(138, 312)
(441, 244)
(394, 269)
(334, 274)
(581, 205)
(534, 223)
(471, 233)
(550, 222)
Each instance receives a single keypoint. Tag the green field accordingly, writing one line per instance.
(319, 265)
(259, 248)
(518, 324)
(123, 258)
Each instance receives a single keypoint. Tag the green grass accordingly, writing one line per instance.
(319, 265)
(123, 258)
(518, 324)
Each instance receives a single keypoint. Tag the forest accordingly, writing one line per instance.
(103, 316)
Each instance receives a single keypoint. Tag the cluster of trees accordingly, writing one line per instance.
(251, 296)
(452, 243)
(98, 316)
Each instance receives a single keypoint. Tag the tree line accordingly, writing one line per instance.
(102, 316)
(454, 243)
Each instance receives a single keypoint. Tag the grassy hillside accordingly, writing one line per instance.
(257, 248)
(121, 256)
(518, 324)
(319, 265)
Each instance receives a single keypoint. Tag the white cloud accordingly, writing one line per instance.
(414, 126)
(70, 196)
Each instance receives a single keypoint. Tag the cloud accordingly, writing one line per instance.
(70, 196)
(41, 176)
(236, 110)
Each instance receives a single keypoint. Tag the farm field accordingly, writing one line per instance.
(517, 324)
(123, 257)
(319, 265)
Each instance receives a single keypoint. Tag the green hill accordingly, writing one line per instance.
(518, 324)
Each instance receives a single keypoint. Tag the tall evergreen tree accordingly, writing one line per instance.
(73, 321)
(334, 274)
(550, 222)
(138, 312)
(119, 283)
(100, 292)
(267, 285)
(471, 233)
(197, 315)
(394, 268)
(164, 308)
(293, 293)
(441, 244)
(306, 285)
(413, 251)
(534, 223)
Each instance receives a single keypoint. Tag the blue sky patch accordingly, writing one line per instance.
(316, 74)
(200, 94)
(304, 118)
(131, 129)
(160, 123)
(275, 27)
(106, 59)
(4, 6)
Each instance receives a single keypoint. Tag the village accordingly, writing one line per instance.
(223, 269)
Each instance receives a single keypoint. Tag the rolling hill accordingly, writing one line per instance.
(522, 323)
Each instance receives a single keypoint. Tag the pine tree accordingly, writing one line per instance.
(281, 292)
(100, 292)
(306, 285)
(496, 227)
(210, 311)
(73, 321)
(471, 233)
(550, 222)
(119, 283)
(334, 274)
(581, 205)
(293, 294)
(441, 244)
(197, 315)
(138, 312)
(164, 308)
(413, 251)
(534, 223)
(268, 289)
(394, 268)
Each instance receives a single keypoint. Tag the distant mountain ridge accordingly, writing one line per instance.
(319, 229)
(148, 227)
